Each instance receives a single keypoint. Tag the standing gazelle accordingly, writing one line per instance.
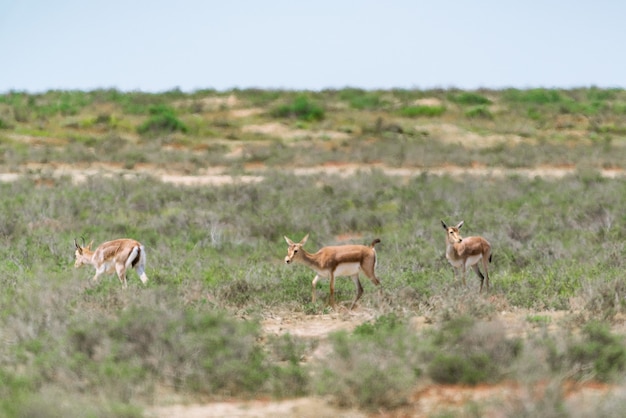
(467, 252)
(335, 261)
(118, 255)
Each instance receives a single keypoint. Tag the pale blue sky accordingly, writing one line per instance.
(155, 45)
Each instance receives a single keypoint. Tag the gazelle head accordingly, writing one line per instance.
(453, 235)
(81, 253)
(294, 248)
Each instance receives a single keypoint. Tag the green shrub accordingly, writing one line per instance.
(258, 97)
(606, 298)
(532, 96)
(373, 368)
(300, 108)
(470, 352)
(361, 99)
(469, 98)
(55, 102)
(534, 113)
(162, 120)
(14, 392)
(5, 125)
(185, 349)
(135, 103)
(291, 379)
(479, 112)
(384, 325)
(599, 354)
(418, 111)
(598, 94)
(459, 368)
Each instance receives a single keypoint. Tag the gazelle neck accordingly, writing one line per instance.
(307, 258)
(453, 249)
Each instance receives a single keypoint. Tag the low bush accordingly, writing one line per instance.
(469, 98)
(419, 111)
(362, 99)
(457, 368)
(599, 354)
(469, 352)
(532, 96)
(300, 108)
(373, 368)
(162, 120)
(479, 112)
(5, 125)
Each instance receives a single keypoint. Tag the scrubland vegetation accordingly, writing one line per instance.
(71, 347)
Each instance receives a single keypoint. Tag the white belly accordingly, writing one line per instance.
(473, 260)
(344, 269)
(107, 267)
(470, 261)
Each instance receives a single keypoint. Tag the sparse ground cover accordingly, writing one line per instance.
(223, 319)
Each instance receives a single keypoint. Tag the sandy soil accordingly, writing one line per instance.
(219, 175)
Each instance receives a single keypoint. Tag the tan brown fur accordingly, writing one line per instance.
(335, 261)
(467, 252)
(118, 255)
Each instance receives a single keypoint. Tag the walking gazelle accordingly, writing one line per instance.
(334, 261)
(467, 252)
(118, 255)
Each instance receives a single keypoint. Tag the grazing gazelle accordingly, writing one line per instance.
(118, 255)
(336, 261)
(467, 252)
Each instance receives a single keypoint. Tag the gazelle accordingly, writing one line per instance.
(467, 252)
(336, 261)
(118, 255)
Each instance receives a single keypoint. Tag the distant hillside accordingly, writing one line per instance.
(401, 128)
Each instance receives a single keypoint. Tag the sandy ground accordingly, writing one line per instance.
(217, 176)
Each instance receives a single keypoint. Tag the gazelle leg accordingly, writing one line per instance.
(313, 284)
(486, 268)
(331, 299)
(121, 274)
(480, 276)
(463, 271)
(99, 272)
(359, 290)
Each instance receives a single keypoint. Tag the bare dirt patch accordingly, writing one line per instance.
(302, 407)
(279, 130)
(218, 175)
(453, 134)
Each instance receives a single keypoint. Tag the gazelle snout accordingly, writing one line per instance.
(78, 262)
(287, 260)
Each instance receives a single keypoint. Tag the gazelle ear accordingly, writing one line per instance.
(289, 242)
(303, 241)
(460, 225)
(444, 225)
(89, 246)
